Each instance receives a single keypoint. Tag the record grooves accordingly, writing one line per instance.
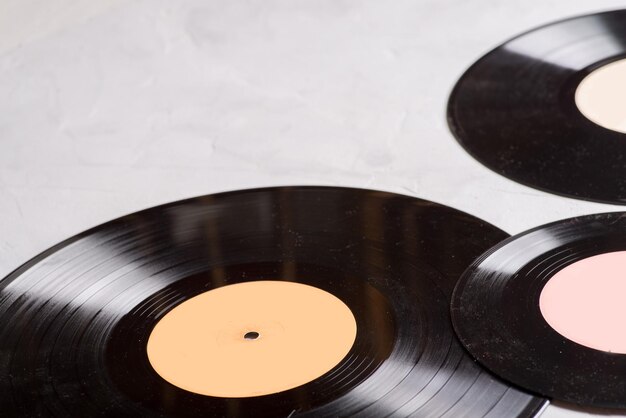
(75, 320)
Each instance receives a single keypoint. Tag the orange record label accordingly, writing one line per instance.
(251, 339)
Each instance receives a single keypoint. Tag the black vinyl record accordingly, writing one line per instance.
(75, 319)
(514, 110)
(497, 316)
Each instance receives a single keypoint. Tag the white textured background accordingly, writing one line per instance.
(108, 107)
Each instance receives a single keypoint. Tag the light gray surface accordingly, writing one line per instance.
(113, 106)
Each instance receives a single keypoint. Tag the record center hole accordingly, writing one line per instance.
(252, 335)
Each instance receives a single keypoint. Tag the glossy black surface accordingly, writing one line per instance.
(75, 320)
(495, 311)
(514, 110)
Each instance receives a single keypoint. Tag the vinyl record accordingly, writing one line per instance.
(544, 310)
(101, 324)
(515, 110)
